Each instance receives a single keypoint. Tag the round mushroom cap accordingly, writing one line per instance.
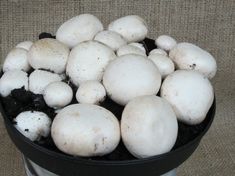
(133, 28)
(24, 45)
(78, 29)
(16, 60)
(39, 79)
(188, 56)
(138, 45)
(158, 51)
(165, 42)
(48, 54)
(11, 80)
(33, 124)
(87, 61)
(91, 92)
(148, 126)
(58, 94)
(85, 130)
(130, 76)
(111, 39)
(164, 64)
(130, 49)
(190, 94)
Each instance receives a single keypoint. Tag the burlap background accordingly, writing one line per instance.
(210, 24)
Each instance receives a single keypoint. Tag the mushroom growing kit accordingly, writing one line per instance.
(98, 101)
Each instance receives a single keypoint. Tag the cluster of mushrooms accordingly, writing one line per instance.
(111, 62)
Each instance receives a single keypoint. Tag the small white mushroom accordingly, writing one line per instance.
(165, 42)
(130, 49)
(13, 80)
(91, 92)
(158, 51)
(190, 57)
(58, 94)
(16, 60)
(130, 76)
(87, 61)
(138, 45)
(148, 126)
(79, 29)
(49, 54)
(39, 79)
(33, 124)
(190, 94)
(133, 28)
(111, 39)
(164, 64)
(85, 130)
(25, 45)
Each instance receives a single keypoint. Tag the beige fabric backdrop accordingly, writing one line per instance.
(210, 24)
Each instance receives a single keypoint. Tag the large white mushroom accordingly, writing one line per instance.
(138, 45)
(158, 51)
(33, 124)
(49, 54)
(165, 42)
(133, 28)
(191, 57)
(111, 39)
(148, 126)
(11, 80)
(39, 79)
(130, 76)
(92, 92)
(24, 45)
(16, 60)
(85, 130)
(130, 49)
(190, 94)
(78, 29)
(87, 61)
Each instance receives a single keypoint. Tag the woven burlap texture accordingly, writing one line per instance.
(209, 24)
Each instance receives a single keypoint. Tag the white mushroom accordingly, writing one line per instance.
(33, 124)
(39, 79)
(138, 45)
(190, 94)
(165, 42)
(85, 130)
(16, 60)
(164, 64)
(111, 39)
(58, 94)
(190, 57)
(158, 51)
(13, 80)
(25, 45)
(87, 61)
(148, 126)
(91, 92)
(130, 76)
(130, 49)
(79, 29)
(48, 54)
(133, 28)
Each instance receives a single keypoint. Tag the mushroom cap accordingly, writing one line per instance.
(85, 130)
(158, 51)
(138, 45)
(164, 64)
(165, 42)
(39, 79)
(24, 45)
(111, 39)
(58, 94)
(11, 80)
(130, 76)
(130, 49)
(33, 124)
(190, 94)
(148, 120)
(49, 54)
(16, 60)
(87, 61)
(190, 57)
(133, 28)
(78, 29)
(91, 92)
